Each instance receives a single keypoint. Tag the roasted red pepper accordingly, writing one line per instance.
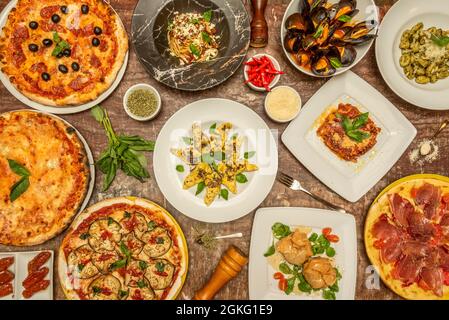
(261, 72)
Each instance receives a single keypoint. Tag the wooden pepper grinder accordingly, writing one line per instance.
(231, 263)
(259, 27)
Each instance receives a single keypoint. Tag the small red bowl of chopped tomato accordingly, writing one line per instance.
(262, 72)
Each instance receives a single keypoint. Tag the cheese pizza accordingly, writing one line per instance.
(62, 52)
(123, 249)
(407, 237)
(44, 177)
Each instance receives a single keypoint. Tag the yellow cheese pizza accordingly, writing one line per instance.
(123, 249)
(407, 237)
(62, 52)
(44, 177)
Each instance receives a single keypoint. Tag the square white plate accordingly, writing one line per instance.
(262, 286)
(20, 270)
(350, 180)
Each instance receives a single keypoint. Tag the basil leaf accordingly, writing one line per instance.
(110, 221)
(335, 62)
(224, 194)
(200, 187)
(249, 154)
(122, 293)
(280, 230)
(318, 32)
(127, 214)
(98, 113)
(207, 158)
(207, 15)
(160, 240)
(212, 128)
(271, 250)
(56, 37)
(194, 21)
(194, 49)
(141, 284)
(57, 50)
(110, 174)
(17, 168)
(187, 140)
(290, 285)
(329, 295)
(440, 41)
(346, 123)
(118, 264)
(151, 225)
(241, 178)
(84, 236)
(19, 188)
(345, 18)
(180, 168)
(284, 268)
(358, 136)
(124, 249)
(206, 37)
(360, 121)
(160, 266)
(303, 286)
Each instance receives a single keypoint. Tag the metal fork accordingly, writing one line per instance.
(296, 185)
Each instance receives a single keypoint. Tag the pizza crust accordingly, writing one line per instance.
(381, 206)
(15, 230)
(76, 98)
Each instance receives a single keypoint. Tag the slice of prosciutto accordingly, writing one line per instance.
(407, 269)
(432, 279)
(401, 209)
(428, 197)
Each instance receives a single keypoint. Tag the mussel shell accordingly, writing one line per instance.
(308, 42)
(302, 58)
(292, 44)
(322, 66)
(344, 7)
(363, 28)
(319, 15)
(359, 41)
(345, 54)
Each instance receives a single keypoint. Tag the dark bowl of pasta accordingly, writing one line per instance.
(191, 44)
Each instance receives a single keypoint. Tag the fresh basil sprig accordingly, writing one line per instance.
(352, 127)
(442, 41)
(22, 185)
(123, 152)
(60, 44)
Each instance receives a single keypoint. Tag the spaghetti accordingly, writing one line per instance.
(192, 37)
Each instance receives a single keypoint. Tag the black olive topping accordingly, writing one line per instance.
(45, 76)
(67, 52)
(55, 18)
(95, 42)
(75, 66)
(63, 68)
(98, 31)
(85, 9)
(33, 47)
(59, 55)
(64, 9)
(33, 25)
(47, 42)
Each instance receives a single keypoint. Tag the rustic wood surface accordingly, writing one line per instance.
(202, 262)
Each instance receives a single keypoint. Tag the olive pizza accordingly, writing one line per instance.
(62, 52)
(123, 249)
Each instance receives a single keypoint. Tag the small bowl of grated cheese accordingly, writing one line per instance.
(142, 102)
(283, 104)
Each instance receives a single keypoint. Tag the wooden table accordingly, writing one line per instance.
(202, 262)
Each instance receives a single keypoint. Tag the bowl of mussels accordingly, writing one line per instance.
(323, 38)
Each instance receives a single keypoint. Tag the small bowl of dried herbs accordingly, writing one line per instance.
(142, 102)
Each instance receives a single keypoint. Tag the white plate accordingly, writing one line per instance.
(55, 110)
(90, 157)
(402, 16)
(368, 11)
(262, 286)
(20, 270)
(350, 180)
(207, 112)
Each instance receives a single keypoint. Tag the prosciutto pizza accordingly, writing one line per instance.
(62, 52)
(407, 237)
(44, 177)
(123, 249)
